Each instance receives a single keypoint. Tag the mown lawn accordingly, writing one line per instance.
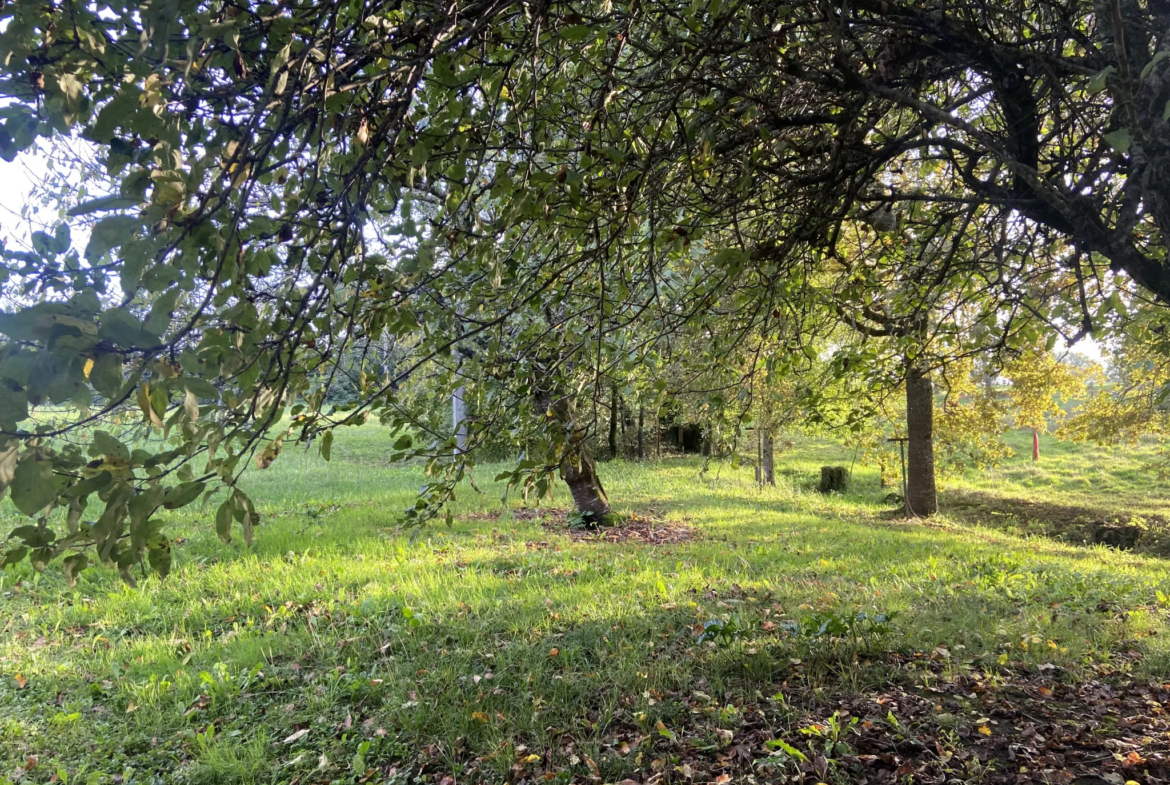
(340, 649)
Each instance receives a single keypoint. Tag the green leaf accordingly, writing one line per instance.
(109, 233)
(200, 387)
(1119, 140)
(13, 404)
(90, 485)
(105, 444)
(161, 310)
(223, 521)
(106, 375)
(787, 748)
(158, 554)
(33, 488)
(1159, 57)
(327, 444)
(245, 514)
(123, 328)
(182, 495)
(14, 556)
(190, 405)
(1097, 82)
(8, 456)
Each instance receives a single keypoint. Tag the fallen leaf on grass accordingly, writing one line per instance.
(302, 733)
(592, 764)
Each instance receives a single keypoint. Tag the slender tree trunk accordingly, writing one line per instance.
(613, 423)
(767, 459)
(921, 495)
(759, 458)
(623, 445)
(641, 433)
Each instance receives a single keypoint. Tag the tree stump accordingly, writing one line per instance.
(833, 478)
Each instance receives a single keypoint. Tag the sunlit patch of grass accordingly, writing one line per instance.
(494, 636)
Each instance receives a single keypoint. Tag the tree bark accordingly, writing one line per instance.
(613, 415)
(921, 495)
(580, 474)
(625, 416)
(767, 459)
(577, 468)
(641, 432)
(759, 459)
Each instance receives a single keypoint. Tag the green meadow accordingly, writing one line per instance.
(507, 648)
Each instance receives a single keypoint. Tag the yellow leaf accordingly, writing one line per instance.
(532, 759)
(88, 368)
(479, 716)
(986, 731)
(20, 681)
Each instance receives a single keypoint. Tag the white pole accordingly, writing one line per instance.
(459, 420)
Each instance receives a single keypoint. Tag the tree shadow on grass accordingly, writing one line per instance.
(502, 688)
(1076, 525)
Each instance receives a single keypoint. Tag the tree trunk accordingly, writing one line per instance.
(459, 420)
(921, 496)
(641, 431)
(767, 459)
(577, 467)
(625, 415)
(580, 474)
(613, 415)
(759, 459)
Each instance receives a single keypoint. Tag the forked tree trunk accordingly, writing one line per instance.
(767, 459)
(921, 495)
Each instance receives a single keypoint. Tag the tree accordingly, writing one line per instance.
(284, 183)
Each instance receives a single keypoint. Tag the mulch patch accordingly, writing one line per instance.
(635, 528)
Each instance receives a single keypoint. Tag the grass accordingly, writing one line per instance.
(339, 649)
